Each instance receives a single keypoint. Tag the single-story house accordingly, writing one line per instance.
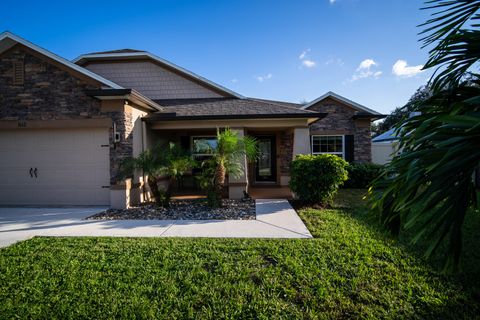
(65, 126)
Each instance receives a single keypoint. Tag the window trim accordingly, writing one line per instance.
(328, 135)
(192, 145)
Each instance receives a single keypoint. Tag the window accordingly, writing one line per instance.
(328, 144)
(18, 73)
(203, 146)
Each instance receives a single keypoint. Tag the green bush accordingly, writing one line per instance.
(361, 175)
(316, 179)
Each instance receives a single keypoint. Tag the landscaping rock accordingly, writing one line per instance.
(183, 210)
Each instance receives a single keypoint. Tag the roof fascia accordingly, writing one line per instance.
(340, 98)
(26, 43)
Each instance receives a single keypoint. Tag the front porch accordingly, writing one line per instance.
(267, 177)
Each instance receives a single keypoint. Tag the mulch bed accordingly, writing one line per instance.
(183, 210)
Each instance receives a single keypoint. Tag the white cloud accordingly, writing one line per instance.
(234, 80)
(265, 77)
(332, 1)
(364, 70)
(309, 63)
(366, 64)
(303, 55)
(402, 69)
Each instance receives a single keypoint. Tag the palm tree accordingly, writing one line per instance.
(428, 188)
(161, 162)
(227, 158)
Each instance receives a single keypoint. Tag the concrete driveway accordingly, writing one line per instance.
(275, 219)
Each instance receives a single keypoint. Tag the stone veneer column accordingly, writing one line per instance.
(236, 186)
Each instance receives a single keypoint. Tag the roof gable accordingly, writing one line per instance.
(344, 100)
(8, 40)
(139, 55)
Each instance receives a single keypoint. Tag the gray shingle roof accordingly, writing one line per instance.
(229, 107)
(282, 103)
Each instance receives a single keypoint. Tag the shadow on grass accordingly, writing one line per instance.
(350, 202)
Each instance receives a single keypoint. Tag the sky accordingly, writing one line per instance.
(296, 50)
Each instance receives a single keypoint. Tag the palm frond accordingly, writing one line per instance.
(429, 186)
(455, 30)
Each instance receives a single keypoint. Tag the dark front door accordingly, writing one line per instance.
(265, 167)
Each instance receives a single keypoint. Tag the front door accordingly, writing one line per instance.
(265, 166)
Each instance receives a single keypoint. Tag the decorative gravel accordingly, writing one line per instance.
(183, 210)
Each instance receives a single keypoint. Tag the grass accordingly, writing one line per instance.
(350, 270)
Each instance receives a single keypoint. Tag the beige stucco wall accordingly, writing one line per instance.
(237, 185)
(138, 140)
(382, 152)
(301, 141)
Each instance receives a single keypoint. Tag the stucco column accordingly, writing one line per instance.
(236, 186)
(301, 141)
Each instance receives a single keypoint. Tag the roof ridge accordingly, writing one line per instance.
(125, 50)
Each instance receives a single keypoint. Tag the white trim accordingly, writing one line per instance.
(351, 103)
(80, 59)
(9, 35)
(328, 135)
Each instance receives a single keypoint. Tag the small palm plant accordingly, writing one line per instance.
(161, 162)
(227, 159)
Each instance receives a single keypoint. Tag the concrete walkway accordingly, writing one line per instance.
(275, 219)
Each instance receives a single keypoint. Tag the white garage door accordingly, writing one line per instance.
(54, 167)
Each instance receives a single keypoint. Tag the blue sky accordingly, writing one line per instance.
(366, 50)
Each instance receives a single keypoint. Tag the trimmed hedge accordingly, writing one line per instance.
(361, 175)
(316, 179)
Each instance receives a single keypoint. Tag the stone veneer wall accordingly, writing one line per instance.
(340, 121)
(51, 93)
(285, 152)
(362, 141)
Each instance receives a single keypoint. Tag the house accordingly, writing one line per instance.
(66, 126)
(384, 146)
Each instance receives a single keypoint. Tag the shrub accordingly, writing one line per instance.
(316, 179)
(361, 175)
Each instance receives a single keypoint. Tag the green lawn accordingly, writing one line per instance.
(351, 269)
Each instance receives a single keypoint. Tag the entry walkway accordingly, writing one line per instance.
(275, 219)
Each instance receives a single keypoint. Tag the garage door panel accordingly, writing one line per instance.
(72, 167)
(15, 176)
(14, 158)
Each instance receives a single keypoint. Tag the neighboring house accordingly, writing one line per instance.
(384, 147)
(66, 126)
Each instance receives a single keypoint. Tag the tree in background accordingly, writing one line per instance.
(428, 188)
(400, 113)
